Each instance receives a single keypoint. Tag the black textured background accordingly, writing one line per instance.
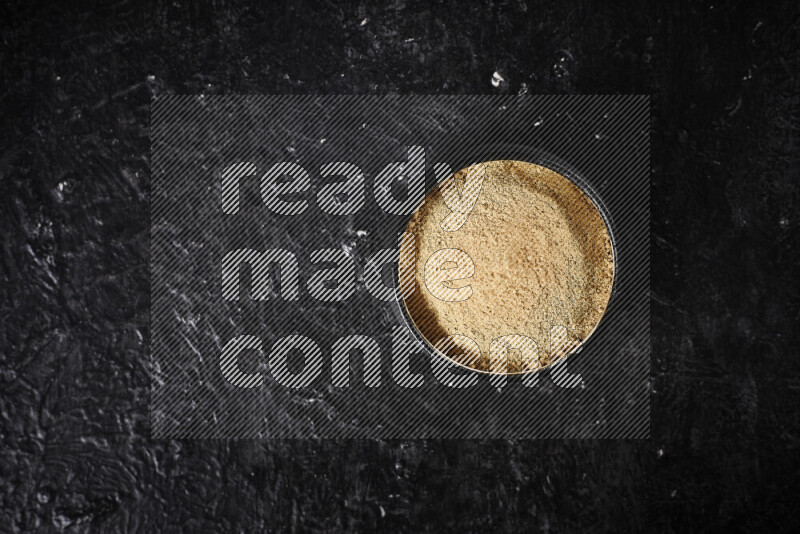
(74, 186)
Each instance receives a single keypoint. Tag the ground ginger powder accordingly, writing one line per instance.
(542, 257)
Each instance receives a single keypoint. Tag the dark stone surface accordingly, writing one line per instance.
(74, 185)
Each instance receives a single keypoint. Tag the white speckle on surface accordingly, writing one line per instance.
(660, 452)
(348, 247)
(61, 521)
(383, 512)
(361, 233)
(151, 77)
(497, 79)
(59, 191)
(538, 122)
(322, 140)
(562, 66)
(363, 22)
(290, 149)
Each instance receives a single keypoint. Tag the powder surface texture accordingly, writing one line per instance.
(543, 260)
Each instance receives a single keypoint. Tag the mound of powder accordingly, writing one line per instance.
(542, 258)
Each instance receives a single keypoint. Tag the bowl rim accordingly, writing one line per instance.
(536, 156)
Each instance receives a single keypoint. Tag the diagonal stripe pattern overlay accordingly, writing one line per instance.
(276, 224)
